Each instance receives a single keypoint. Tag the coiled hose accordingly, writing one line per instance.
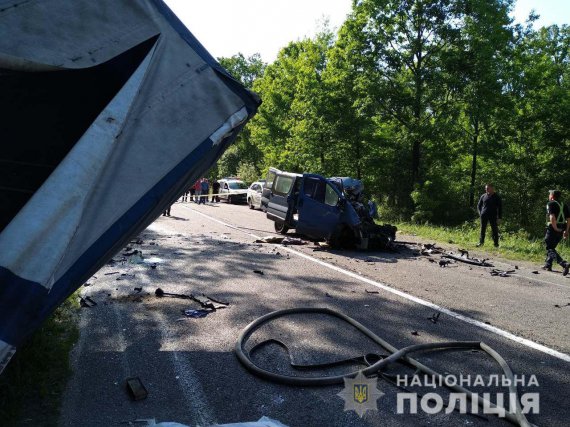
(516, 417)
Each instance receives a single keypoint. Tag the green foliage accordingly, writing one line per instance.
(425, 101)
(33, 383)
(515, 245)
(247, 172)
(229, 162)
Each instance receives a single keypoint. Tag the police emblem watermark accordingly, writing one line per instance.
(360, 394)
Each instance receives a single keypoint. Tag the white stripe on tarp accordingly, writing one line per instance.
(512, 337)
(6, 353)
(229, 125)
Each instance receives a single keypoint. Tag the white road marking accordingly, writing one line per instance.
(187, 378)
(528, 343)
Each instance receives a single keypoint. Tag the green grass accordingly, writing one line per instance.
(513, 245)
(32, 385)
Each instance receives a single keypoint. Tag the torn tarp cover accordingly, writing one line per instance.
(110, 109)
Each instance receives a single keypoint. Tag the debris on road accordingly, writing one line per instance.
(561, 306)
(197, 314)
(371, 292)
(86, 302)
(259, 272)
(435, 317)
(467, 260)
(136, 388)
(535, 272)
(415, 333)
(501, 273)
(209, 302)
(138, 290)
(160, 293)
(281, 240)
(204, 300)
(428, 249)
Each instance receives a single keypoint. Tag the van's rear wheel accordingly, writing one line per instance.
(280, 227)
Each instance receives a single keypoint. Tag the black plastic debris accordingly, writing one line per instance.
(501, 273)
(136, 389)
(86, 302)
(205, 301)
(138, 289)
(259, 272)
(371, 292)
(415, 333)
(444, 263)
(434, 317)
(111, 273)
(561, 306)
(472, 261)
(535, 272)
(160, 293)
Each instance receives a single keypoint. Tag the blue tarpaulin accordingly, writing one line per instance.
(110, 109)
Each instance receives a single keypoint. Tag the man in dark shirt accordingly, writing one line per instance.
(491, 211)
(557, 228)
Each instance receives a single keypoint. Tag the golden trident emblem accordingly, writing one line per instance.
(360, 393)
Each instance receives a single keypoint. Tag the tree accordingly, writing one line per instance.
(247, 71)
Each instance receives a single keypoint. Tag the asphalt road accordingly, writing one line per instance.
(189, 367)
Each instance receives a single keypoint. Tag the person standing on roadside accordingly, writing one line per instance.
(557, 228)
(204, 190)
(216, 191)
(490, 210)
(197, 189)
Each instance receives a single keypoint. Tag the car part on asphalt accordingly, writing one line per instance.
(435, 317)
(197, 314)
(472, 261)
(136, 388)
(204, 300)
(397, 355)
(501, 273)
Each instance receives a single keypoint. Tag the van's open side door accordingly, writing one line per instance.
(318, 207)
(280, 204)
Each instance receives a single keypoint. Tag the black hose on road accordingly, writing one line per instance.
(516, 416)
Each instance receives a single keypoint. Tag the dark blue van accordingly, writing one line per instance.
(324, 208)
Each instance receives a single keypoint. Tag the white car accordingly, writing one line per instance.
(232, 190)
(254, 194)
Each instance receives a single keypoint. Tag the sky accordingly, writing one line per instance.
(227, 27)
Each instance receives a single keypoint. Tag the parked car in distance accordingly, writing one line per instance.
(254, 194)
(233, 190)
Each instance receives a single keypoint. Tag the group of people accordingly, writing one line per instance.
(200, 191)
(557, 224)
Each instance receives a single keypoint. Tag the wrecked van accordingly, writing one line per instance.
(324, 208)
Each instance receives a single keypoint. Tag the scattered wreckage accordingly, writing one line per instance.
(325, 208)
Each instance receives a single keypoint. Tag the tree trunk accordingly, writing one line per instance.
(474, 162)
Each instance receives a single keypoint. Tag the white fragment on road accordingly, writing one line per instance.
(505, 334)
